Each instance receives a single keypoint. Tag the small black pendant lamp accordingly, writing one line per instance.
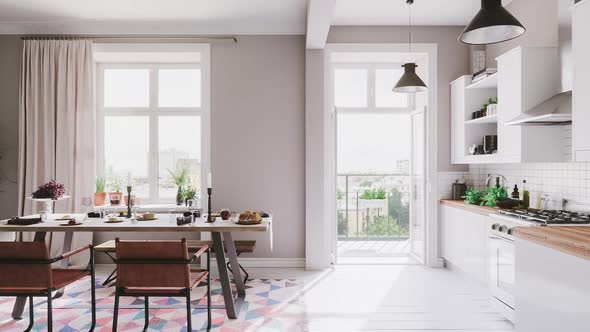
(410, 82)
(492, 24)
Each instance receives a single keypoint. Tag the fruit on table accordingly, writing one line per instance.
(225, 214)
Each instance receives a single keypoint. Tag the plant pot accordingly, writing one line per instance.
(127, 199)
(100, 199)
(115, 197)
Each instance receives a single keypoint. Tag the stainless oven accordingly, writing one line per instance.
(501, 268)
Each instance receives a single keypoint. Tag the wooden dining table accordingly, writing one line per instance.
(220, 230)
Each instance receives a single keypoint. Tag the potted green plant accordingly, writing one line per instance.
(189, 194)
(373, 199)
(473, 196)
(100, 196)
(493, 196)
(180, 179)
(115, 196)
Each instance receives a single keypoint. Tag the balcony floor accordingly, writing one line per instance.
(374, 252)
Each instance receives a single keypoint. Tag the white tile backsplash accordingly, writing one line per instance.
(560, 180)
(446, 180)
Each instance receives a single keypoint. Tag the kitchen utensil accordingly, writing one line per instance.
(459, 190)
(490, 144)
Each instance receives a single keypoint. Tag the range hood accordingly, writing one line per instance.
(556, 110)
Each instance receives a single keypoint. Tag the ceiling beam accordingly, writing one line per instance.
(319, 19)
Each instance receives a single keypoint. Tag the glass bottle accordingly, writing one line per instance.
(526, 196)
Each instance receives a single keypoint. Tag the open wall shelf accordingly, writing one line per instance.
(484, 120)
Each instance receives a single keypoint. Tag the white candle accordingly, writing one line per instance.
(209, 180)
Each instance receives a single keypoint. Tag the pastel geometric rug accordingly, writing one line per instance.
(270, 305)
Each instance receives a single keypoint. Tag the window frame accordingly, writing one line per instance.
(371, 69)
(153, 112)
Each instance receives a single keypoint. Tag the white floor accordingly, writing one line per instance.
(398, 298)
(346, 298)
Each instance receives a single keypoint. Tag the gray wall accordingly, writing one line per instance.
(540, 18)
(10, 50)
(453, 61)
(258, 134)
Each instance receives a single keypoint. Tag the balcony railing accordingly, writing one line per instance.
(373, 207)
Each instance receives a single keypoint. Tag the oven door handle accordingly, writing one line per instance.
(500, 239)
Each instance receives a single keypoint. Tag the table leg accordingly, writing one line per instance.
(235, 265)
(228, 298)
(19, 304)
(66, 261)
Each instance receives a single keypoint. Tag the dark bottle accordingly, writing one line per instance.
(515, 194)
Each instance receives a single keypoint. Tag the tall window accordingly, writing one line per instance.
(149, 126)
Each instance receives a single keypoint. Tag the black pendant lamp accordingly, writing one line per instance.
(410, 82)
(492, 24)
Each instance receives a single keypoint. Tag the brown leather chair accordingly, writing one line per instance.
(26, 271)
(159, 268)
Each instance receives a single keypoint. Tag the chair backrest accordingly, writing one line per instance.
(152, 264)
(24, 265)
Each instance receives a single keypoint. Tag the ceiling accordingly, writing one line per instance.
(215, 16)
(153, 16)
(395, 12)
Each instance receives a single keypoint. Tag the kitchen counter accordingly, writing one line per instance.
(573, 240)
(483, 210)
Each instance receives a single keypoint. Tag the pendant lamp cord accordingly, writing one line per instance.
(410, 2)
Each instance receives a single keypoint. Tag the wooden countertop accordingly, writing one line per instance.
(483, 210)
(574, 240)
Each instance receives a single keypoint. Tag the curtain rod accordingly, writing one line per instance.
(158, 39)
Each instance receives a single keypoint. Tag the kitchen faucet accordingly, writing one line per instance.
(496, 177)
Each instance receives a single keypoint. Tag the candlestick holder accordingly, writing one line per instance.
(209, 193)
(129, 202)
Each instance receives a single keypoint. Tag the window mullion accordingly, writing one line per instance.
(371, 94)
(153, 167)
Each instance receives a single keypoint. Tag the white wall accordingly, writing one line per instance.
(539, 17)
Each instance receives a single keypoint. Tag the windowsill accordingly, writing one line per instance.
(146, 208)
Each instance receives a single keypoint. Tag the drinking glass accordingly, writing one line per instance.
(86, 203)
(172, 216)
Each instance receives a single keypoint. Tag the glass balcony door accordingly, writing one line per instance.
(418, 184)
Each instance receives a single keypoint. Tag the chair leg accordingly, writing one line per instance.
(116, 311)
(92, 291)
(146, 318)
(31, 314)
(189, 316)
(246, 275)
(110, 278)
(209, 290)
(49, 313)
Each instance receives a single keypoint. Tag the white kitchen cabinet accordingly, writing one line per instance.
(527, 76)
(463, 238)
(581, 86)
(552, 292)
(465, 99)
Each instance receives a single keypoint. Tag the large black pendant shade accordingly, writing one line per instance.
(410, 82)
(492, 24)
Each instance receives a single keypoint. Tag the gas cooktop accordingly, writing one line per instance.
(549, 217)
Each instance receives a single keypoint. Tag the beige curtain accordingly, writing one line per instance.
(57, 125)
